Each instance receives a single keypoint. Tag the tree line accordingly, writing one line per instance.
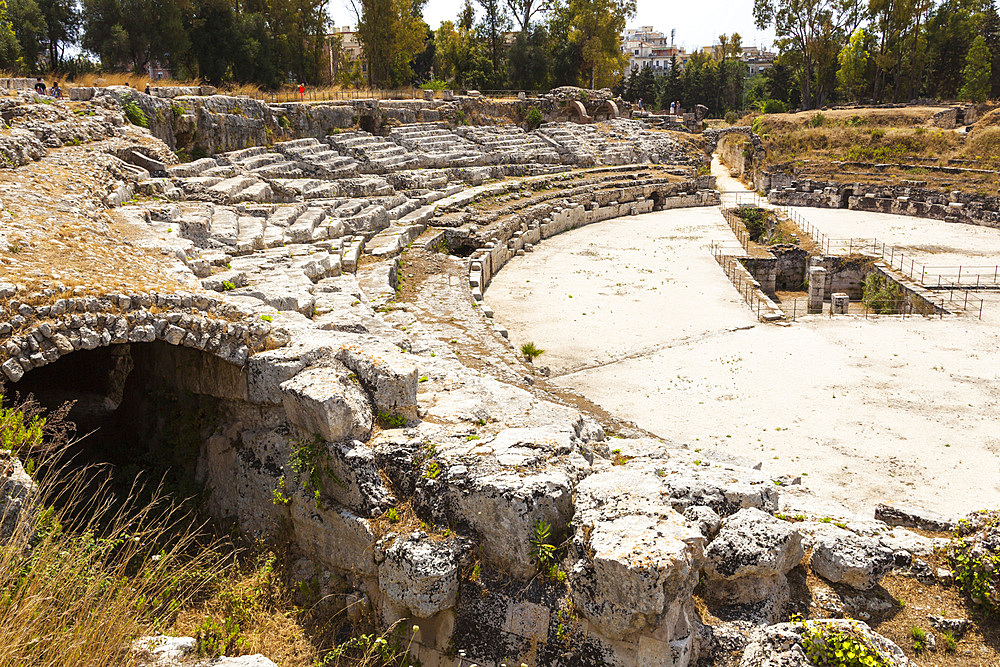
(884, 50)
(491, 44)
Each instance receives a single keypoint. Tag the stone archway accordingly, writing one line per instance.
(578, 112)
(607, 110)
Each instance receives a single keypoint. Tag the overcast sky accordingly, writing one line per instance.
(698, 23)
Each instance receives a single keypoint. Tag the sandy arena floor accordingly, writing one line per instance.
(636, 315)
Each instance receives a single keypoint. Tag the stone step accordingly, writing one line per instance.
(304, 228)
(262, 160)
(191, 168)
(240, 155)
(251, 234)
(225, 227)
(258, 192)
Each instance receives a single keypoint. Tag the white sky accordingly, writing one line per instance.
(698, 23)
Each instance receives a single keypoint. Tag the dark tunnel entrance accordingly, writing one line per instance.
(139, 410)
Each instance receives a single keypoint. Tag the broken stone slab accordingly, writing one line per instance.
(637, 560)
(328, 403)
(164, 651)
(748, 560)
(496, 487)
(420, 574)
(909, 516)
(386, 373)
(333, 536)
(851, 559)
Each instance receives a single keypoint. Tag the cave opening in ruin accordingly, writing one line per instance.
(139, 418)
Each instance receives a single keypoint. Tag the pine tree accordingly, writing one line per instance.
(976, 75)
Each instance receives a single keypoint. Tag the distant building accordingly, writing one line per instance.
(758, 60)
(158, 70)
(646, 47)
(350, 50)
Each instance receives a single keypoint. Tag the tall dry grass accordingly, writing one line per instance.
(96, 574)
(86, 572)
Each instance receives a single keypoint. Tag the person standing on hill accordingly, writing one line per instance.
(39, 86)
(302, 92)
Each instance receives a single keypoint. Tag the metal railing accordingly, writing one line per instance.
(743, 281)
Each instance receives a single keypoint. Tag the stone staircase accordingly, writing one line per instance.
(317, 159)
(510, 144)
(439, 146)
(376, 155)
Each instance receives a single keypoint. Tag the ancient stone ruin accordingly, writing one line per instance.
(312, 278)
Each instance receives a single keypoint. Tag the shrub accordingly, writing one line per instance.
(133, 113)
(818, 120)
(434, 84)
(390, 420)
(881, 294)
(531, 352)
(773, 106)
(534, 119)
(838, 649)
(977, 573)
(732, 117)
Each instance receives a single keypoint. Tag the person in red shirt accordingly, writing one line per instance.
(302, 92)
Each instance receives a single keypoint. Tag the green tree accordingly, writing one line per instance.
(128, 34)
(950, 30)
(854, 61)
(62, 27)
(10, 49)
(594, 34)
(991, 33)
(809, 34)
(976, 75)
(528, 59)
(391, 32)
(29, 26)
(492, 29)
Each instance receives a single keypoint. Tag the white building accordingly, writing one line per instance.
(646, 47)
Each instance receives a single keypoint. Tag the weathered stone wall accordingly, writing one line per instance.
(908, 200)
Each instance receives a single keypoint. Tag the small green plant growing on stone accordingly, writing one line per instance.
(471, 437)
(390, 420)
(433, 470)
(919, 639)
(977, 572)
(267, 318)
(228, 285)
(531, 352)
(837, 649)
(278, 496)
(618, 459)
(423, 378)
(459, 117)
(542, 551)
(135, 115)
(950, 643)
(392, 514)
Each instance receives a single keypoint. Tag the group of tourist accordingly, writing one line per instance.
(40, 88)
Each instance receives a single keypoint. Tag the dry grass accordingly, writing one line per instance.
(97, 575)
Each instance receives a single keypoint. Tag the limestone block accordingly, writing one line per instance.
(334, 537)
(328, 403)
(781, 645)
(840, 303)
(637, 559)
(420, 574)
(386, 373)
(18, 495)
(851, 559)
(352, 478)
(748, 560)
